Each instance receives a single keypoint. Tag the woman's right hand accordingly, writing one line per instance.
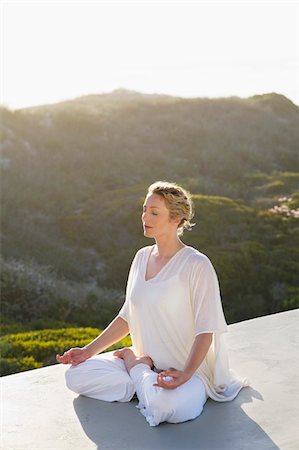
(73, 356)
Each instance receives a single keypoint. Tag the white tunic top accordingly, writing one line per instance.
(165, 313)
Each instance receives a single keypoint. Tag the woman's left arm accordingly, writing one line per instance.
(196, 356)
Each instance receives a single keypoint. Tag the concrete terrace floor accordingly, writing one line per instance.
(40, 413)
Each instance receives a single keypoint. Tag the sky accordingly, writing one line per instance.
(59, 50)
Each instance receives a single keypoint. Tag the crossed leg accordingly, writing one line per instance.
(157, 404)
(102, 377)
(115, 376)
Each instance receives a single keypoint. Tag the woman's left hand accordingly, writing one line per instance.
(179, 377)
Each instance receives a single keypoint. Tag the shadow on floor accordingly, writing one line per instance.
(221, 425)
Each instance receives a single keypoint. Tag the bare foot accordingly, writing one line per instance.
(130, 359)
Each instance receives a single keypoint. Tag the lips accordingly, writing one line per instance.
(146, 226)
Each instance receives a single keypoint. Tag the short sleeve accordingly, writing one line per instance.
(124, 311)
(205, 298)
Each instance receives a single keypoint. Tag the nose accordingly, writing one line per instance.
(143, 216)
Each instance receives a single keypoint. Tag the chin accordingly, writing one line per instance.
(147, 233)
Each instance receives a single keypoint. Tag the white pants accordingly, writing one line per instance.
(105, 377)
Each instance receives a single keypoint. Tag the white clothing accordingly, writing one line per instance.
(105, 377)
(158, 405)
(164, 315)
(167, 312)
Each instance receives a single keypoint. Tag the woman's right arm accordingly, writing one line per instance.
(115, 331)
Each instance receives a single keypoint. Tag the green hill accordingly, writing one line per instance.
(74, 176)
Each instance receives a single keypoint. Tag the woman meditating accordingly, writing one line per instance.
(174, 314)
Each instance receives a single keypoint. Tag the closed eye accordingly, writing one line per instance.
(144, 208)
(153, 213)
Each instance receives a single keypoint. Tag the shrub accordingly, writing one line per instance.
(36, 294)
(13, 365)
(29, 291)
(28, 350)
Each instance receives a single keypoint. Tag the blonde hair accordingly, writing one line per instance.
(179, 202)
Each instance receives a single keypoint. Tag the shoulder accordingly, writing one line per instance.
(142, 251)
(196, 258)
(200, 271)
(198, 264)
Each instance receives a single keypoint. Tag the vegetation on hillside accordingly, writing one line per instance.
(30, 350)
(74, 176)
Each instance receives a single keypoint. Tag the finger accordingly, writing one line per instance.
(69, 356)
(60, 358)
(168, 382)
(165, 383)
(170, 374)
(166, 376)
(65, 359)
(158, 382)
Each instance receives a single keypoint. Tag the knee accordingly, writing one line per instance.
(161, 407)
(99, 384)
(166, 406)
(72, 379)
(162, 401)
(126, 391)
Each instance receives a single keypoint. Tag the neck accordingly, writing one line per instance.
(167, 247)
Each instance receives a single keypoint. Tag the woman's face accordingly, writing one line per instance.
(156, 218)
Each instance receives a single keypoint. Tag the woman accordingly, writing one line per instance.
(174, 314)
